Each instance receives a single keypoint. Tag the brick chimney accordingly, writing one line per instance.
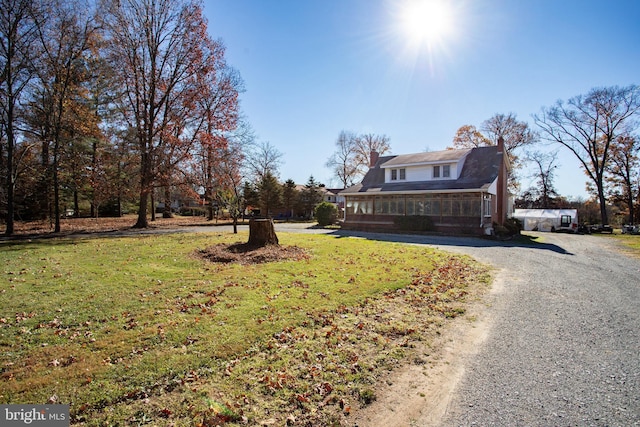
(374, 158)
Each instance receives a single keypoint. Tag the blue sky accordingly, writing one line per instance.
(313, 68)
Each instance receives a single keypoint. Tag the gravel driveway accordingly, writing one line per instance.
(562, 346)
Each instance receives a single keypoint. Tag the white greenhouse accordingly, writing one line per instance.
(548, 219)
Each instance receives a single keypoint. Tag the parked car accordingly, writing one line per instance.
(584, 229)
(600, 228)
(630, 229)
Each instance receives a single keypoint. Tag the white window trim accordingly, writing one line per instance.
(441, 170)
(398, 172)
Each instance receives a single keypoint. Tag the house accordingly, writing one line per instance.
(332, 195)
(460, 191)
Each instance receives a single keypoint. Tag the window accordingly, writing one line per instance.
(398, 174)
(383, 206)
(360, 206)
(487, 206)
(445, 207)
(456, 205)
(441, 171)
(410, 206)
(435, 206)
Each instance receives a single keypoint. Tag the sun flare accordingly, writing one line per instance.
(427, 21)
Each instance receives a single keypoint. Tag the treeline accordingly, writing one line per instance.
(268, 197)
(104, 104)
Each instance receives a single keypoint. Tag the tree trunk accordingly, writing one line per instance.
(142, 211)
(166, 212)
(145, 186)
(262, 233)
(603, 206)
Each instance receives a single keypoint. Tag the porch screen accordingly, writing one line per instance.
(390, 205)
(444, 205)
(360, 206)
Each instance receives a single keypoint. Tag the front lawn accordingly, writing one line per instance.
(136, 330)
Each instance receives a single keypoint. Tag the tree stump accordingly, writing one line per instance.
(262, 233)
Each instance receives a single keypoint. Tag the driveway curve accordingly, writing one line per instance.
(562, 339)
(559, 342)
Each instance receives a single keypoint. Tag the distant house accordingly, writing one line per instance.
(460, 191)
(332, 195)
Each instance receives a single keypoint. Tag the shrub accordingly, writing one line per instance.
(326, 213)
(192, 211)
(414, 223)
(514, 225)
(511, 227)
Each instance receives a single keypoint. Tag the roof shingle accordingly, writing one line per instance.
(480, 169)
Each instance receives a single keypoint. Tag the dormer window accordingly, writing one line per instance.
(397, 174)
(442, 171)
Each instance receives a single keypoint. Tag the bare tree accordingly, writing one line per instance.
(589, 125)
(546, 166)
(365, 144)
(264, 159)
(17, 40)
(343, 160)
(516, 134)
(351, 159)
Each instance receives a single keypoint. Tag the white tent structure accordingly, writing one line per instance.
(547, 219)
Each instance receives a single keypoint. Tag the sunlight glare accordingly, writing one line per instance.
(428, 32)
(427, 21)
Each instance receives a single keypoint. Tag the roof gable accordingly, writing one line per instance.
(480, 170)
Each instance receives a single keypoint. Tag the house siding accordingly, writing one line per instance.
(469, 201)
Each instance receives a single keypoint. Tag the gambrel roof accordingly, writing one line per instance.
(480, 170)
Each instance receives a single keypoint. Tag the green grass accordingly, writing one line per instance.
(631, 242)
(140, 329)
